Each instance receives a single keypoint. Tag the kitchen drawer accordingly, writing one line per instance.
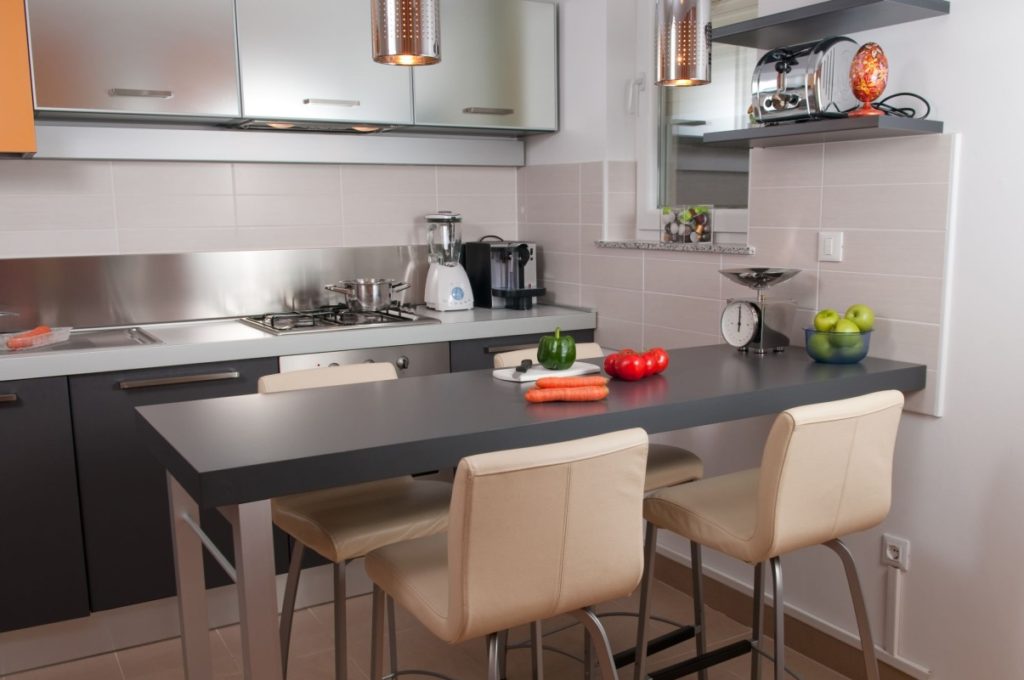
(42, 563)
(472, 355)
(123, 487)
(135, 57)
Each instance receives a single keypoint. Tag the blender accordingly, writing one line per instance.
(447, 284)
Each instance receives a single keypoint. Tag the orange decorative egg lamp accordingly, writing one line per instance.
(869, 74)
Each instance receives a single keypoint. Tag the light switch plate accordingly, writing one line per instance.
(830, 246)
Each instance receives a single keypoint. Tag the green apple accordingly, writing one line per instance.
(825, 320)
(853, 351)
(819, 347)
(845, 333)
(863, 316)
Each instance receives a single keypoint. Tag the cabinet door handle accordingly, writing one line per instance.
(332, 102)
(8, 398)
(488, 111)
(500, 349)
(178, 380)
(128, 92)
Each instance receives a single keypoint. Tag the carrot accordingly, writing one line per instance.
(577, 381)
(589, 393)
(23, 340)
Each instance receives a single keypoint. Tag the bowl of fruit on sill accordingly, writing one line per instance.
(836, 339)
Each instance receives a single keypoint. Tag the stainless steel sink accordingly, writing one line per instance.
(101, 338)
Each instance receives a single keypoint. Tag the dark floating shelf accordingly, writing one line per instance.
(823, 131)
(833, 17)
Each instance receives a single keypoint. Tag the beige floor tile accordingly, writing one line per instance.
(320, 666)
(163, 660)
(103, 667)
(309, 635)
(312, 655)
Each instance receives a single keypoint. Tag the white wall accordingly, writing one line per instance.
(957, 479)
(597, 45)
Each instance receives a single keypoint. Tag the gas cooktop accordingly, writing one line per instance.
(332, 318)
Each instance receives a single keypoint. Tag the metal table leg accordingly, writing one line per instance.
(257, 589)
(188, 570)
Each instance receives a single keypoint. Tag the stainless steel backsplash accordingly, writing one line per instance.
(120, 290)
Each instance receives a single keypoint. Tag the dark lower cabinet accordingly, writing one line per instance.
(42, 563)
(123, 488)
(472, 355)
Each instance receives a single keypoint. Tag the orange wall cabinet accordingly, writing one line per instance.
(17, 127)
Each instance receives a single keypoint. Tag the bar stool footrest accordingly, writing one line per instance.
(658, 644)
(706, 660)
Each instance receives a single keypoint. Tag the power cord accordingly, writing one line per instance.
(903, 111)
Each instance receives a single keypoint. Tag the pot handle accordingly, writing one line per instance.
(340, 289)
(395, 287)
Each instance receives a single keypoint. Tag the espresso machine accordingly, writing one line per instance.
(502, 273)
(447, 285)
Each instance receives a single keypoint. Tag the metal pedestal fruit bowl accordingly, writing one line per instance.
(759, 278)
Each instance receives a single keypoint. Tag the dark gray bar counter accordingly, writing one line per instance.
(240, 449)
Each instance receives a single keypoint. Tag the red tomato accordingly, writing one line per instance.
(631, 367)
(611, 365)
(659, 357)
(650, 368)
(626, 351)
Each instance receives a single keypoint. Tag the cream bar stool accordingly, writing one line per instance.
(666, 466)
(345, 523)
(826, 471)
(534, 533)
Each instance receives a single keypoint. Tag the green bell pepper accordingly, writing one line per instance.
(556, 352)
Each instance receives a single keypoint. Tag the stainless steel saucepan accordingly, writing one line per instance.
(368, 295)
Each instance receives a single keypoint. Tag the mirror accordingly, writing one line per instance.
(691, 173)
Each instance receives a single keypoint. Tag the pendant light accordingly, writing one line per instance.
(406, 32)
(684, 43)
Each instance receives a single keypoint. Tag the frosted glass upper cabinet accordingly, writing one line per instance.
(311, 60)
(499, 67)
(135, 57)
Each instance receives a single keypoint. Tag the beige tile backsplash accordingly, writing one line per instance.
(63, 208)
(890, 198)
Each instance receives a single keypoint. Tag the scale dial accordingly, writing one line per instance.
(740, 322)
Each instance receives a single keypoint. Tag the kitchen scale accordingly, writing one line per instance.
(747, 325)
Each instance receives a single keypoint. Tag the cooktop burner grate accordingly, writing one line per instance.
(337, 317)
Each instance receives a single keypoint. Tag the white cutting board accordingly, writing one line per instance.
(537, 371)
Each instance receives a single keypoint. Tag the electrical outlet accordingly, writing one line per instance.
(830, 246)
(896, 552)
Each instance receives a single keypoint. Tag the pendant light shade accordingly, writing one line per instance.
(406, 32)
(684, 42)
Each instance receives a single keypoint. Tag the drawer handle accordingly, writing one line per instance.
(500, 349)
(488, 111)
(8, 398)
(128, 92)
(178, 380)
(332, 102)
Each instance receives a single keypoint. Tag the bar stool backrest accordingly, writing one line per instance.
(329, 376)
(545, 530)
(584, 350)
(826, 471)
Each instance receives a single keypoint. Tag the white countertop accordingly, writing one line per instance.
(229, 339)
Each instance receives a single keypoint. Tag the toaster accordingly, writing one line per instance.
(804, 82)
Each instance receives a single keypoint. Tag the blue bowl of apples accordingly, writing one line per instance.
(838, 339)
